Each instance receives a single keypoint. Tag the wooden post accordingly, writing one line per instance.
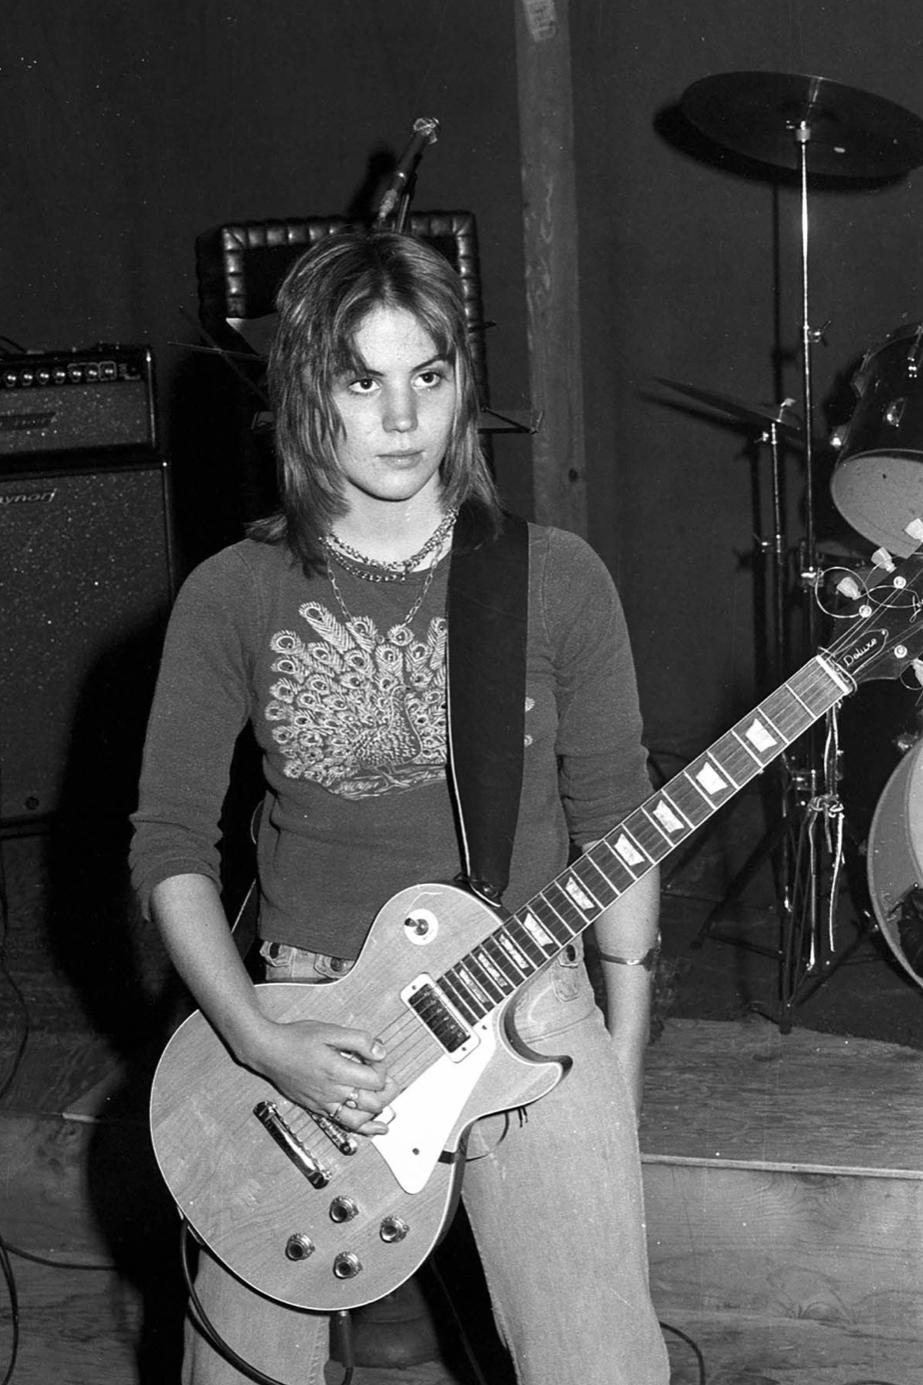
(546, 133)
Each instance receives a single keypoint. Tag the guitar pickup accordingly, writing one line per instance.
(267, 1113)
(443, 1021)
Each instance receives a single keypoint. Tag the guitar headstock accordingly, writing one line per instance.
(884, 634)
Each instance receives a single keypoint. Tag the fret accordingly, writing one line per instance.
(687, 799)
(503, 959)
(745, 751)
(523, 961)
(458, 996)
(615, 870)
(532, 938)
(582, 868)
(734, 758)
(666, 818)
(540, 906)
(582, 892)
(627, 851)
(714, 786)
(651, 838)
(786, 711)
(758, 759)
(561, 902)
(487, 974)
(477, 996)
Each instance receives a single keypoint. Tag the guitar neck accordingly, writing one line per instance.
(523, 943)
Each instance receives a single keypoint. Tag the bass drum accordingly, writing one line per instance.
(877, 483)
(895, 863)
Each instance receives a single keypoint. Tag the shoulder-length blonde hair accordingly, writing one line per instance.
(322, 304)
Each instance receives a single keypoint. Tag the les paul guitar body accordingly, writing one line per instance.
(315, 1218)
(297, 1208)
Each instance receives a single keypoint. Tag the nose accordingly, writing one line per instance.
(400, 411)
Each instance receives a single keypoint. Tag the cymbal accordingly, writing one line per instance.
(851, 133)
(784, 416)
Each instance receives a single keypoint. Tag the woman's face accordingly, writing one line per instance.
(397, 413)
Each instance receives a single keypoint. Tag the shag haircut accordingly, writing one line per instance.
(322, 304)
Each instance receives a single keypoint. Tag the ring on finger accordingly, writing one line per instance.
(336, 1110)
(352, 1101)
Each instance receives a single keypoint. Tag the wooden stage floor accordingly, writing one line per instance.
(784, 1173)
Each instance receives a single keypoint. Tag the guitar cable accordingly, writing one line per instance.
(339, 1323)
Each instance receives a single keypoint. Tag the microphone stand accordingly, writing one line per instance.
(399, 191)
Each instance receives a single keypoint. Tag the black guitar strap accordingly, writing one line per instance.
(488, 603)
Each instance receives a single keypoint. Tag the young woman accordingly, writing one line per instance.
(326, 629)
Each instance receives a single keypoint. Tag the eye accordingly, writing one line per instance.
(366, 384)
(431, 379)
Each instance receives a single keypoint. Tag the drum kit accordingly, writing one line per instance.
(830, 134)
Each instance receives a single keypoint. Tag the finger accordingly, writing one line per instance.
(363, 1048)
(363, 1077)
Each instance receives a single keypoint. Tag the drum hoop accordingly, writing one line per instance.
(871, 353)
(899, 848)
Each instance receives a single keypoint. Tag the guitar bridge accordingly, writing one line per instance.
(267, 1113)
(344, 1141)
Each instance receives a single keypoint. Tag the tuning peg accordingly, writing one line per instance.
(882, 558)
(915, 529)
(917, 666)
(849, 587)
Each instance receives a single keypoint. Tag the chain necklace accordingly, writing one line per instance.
(347, 613)
(378, 570)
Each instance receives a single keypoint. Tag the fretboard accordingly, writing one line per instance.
(525, 941)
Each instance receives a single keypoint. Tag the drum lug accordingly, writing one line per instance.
(913, 355)
(895, 412)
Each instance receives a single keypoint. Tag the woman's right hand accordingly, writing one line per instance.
(336, 1072)
(319, 1066)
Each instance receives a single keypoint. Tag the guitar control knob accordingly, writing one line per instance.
(343, 1209)
(347, 1265)
(393, 1229)
(299, 1247)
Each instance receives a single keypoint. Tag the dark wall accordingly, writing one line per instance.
(691, 271)
(126, 130)
(129, 129)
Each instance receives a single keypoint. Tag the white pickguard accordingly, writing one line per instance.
(426, 1112)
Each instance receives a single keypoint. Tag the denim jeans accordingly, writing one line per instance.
(554, 1197)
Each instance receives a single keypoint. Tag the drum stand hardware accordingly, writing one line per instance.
(807, 125)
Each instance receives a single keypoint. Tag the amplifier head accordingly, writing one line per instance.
(77, 401)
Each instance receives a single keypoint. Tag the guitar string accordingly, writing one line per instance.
(407, 1039)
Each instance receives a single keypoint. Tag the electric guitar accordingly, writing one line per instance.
(315, 1217)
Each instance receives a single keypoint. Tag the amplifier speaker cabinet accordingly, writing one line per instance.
(87, 576)
(71, 402)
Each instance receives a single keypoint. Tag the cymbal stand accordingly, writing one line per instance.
(806, 841)
(814, 809)
(776, 844)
